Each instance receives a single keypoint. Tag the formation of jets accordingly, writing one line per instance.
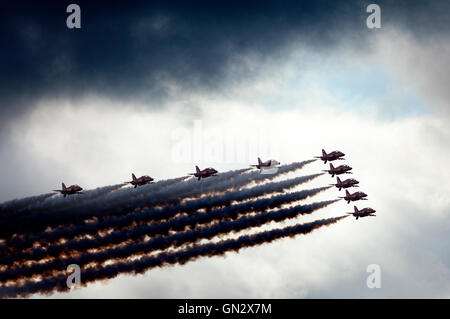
(143, 180)
(351, 182)
(208, 172)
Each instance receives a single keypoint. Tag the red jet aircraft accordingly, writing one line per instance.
(141, 180)
(363, 212)
(73, 189)
(354, 197)
(345, 184)
(335, 155)
(266, 164)
(207, 172)
(342, 169)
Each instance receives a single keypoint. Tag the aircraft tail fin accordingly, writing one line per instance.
(63, 186)
(347, 193)
(133, 176)
(259, 161)
(197, 169)
(338, 180)
(331, 166)
(323, 152)
(356, 209)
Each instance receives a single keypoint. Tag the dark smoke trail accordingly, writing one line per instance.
(58, 283)
(57, 208)
(163, 242)
(107, 206)
(177, 224)
(59, 203)
(16, 205)
(119, 202)
(118, 222)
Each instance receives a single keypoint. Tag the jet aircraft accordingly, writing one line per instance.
(346, 183)
(73, 189)
(335, 155)
(354, 197)
(363, 212)
(207, 172)
(267, 164)
(141, 180)
(342, 169)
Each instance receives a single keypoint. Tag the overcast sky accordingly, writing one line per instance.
(157, 88)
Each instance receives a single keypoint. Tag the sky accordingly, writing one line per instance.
(156, 88)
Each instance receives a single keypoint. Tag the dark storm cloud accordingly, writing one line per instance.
(125, 49)
(128, 50)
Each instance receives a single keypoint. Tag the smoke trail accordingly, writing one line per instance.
(88, 195)
(107, 206)
(177, 224)
(193, 188)
(119, 202)
(118, 222)
(16, 205)
(162, 242)
(58, 283)
(58, 207)
(58, 204)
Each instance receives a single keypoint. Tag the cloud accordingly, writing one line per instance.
(134, 56)
(155, 44)
(395, 162)
(420, 64)
(305, 100)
